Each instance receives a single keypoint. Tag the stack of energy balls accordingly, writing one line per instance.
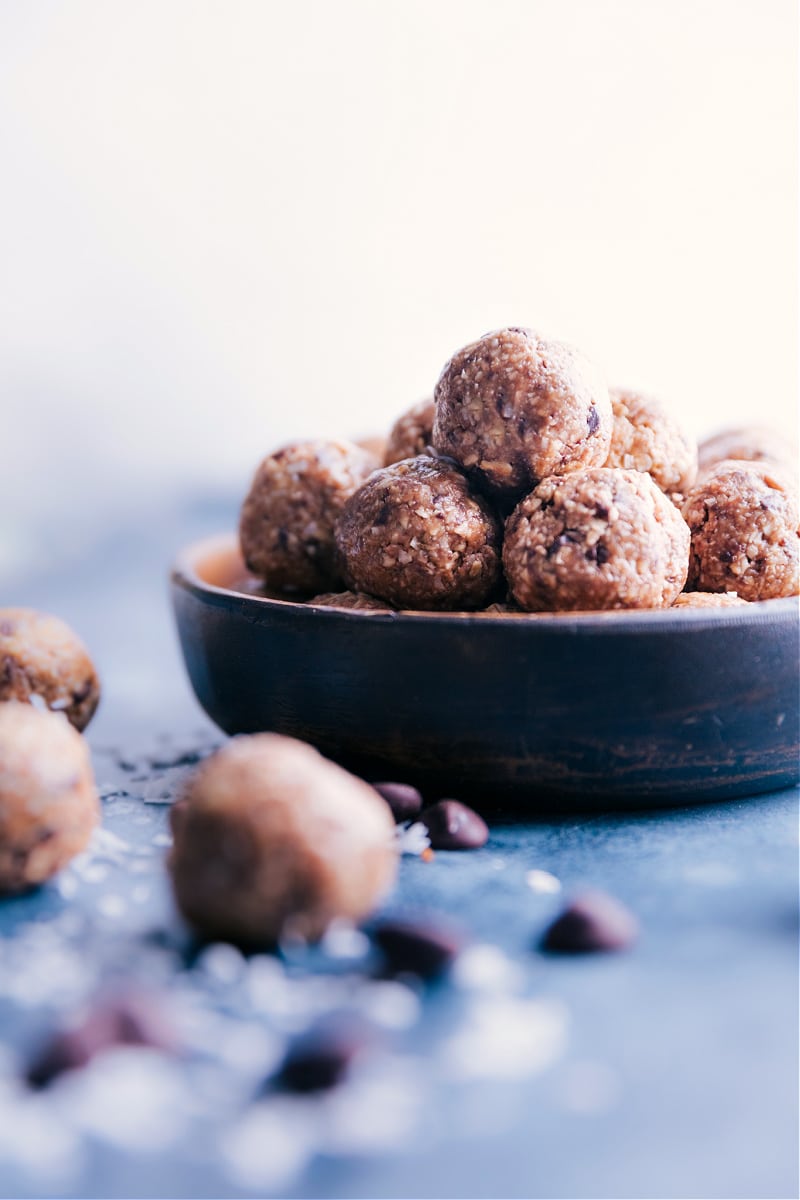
(49, 691)
(524, 485)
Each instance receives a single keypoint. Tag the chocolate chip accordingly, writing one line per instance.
(593, 420)
(453, 826)
(318, 1062)
(423, 948)
(725, 556)
(404, 801)
(592, 921)
(128, 1022)
(601, 553)
(384, 513)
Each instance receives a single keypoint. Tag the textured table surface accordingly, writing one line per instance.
(668, 1071)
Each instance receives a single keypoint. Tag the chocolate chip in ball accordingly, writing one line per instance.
(318, 1062)
(593, 921)
(416, 947)
(403, 799)
(132, 1021)
(453, 826)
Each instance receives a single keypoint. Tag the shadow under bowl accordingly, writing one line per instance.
(535, 713)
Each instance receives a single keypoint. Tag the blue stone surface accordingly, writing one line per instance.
(675, 1070)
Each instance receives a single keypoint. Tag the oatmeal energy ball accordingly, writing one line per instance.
(271, 839)
(743, 518)
(595, 539)
(646, 437)
(752, 443)
(48, 801)
(41, 656)
(355, 600)
(287, 519)
(411, 433)
(513, 408)
(708, 600)
(415, 535)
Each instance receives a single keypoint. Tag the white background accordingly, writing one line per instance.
(225, 224)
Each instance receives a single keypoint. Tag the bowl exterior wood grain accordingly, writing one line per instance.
(575, 711)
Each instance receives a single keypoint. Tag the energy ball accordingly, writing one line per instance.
(596, 539)
(744, 523)
(287, 520)
(513, 408)
(708, 600)
(48, 801)
(356, 600)
(40, 656)
(646, 437)
(411, 434)
(271, 839)
(415, 535)
(752, 443)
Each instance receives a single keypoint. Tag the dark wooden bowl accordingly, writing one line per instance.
(620, 709)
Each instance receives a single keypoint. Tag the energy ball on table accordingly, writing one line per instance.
(287, 519)
(411, 434)
(414, 534)
(271, 839)
(646, 437)
(595, 539)
(708, 600)
(40, 656)
(513, 408)
(743, 518)
(355, 600)
(48, 801)
(749, 444)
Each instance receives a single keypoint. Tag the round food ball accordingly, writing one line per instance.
(708, 600)
(356, 600)
(646, 437)
(513, 408)
(48, 801)
(595, 539)
(411, 434)
(41, 656)
(415, 535)
(271, 839)
(753, 443)
(744, 522)
(287, 519)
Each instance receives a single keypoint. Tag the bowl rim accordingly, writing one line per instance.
(185, 574)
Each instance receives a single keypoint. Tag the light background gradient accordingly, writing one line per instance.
(224, 224)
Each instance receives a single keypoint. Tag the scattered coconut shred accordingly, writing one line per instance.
(106, 925)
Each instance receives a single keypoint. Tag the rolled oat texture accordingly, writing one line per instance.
(417, 536)
(273, 840)
(40, 656)
(513, 408)
(708, 600)
(647, 437)
(287, 519)
(48, 801)
(411, 434)
(743, 518)
(596, 539)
